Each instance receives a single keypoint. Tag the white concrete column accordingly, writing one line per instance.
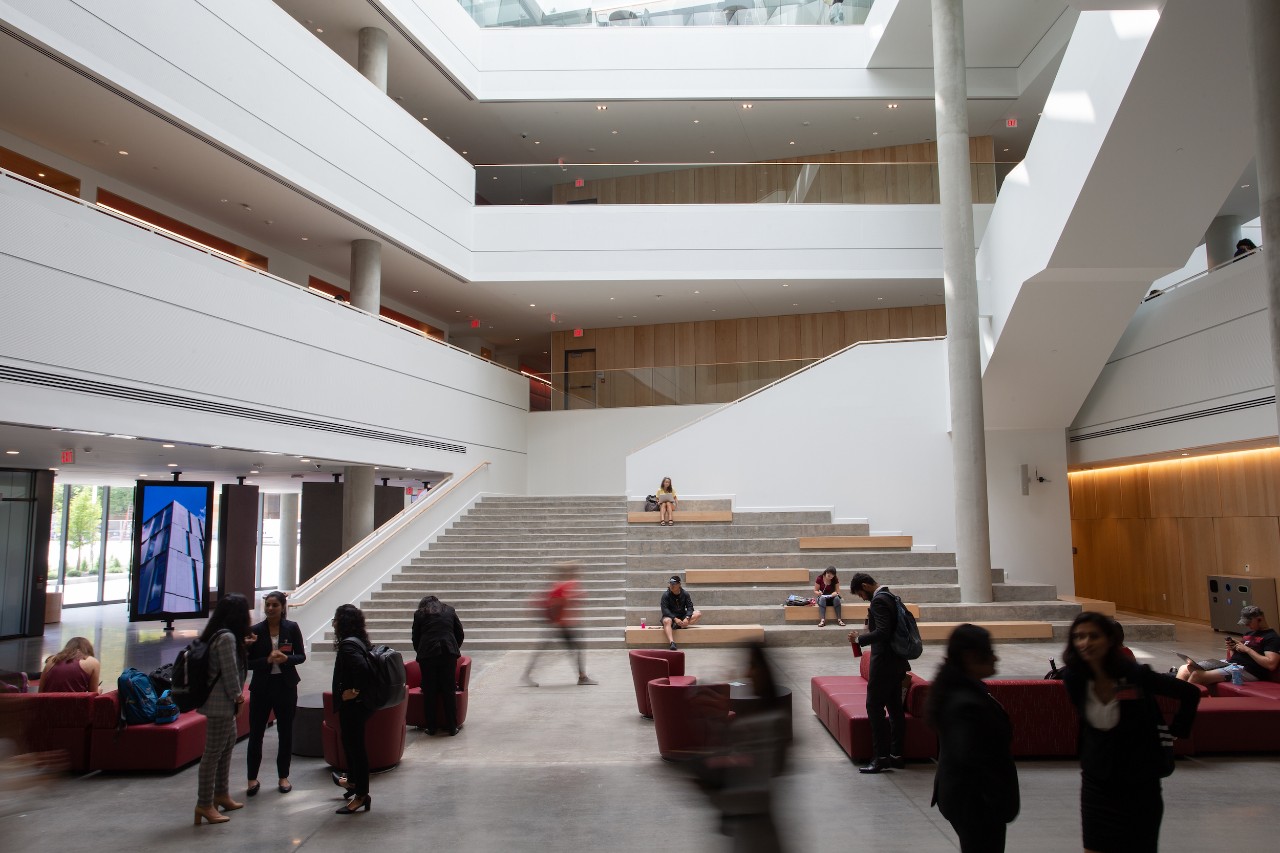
(366, 275)
(960, 282)
(1221, 238)
(1264, 61)
(357, 504)
(289, 540)
(372, 57)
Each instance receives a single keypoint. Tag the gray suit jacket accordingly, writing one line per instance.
(224, 665)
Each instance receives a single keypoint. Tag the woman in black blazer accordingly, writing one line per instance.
(437, 636)
(274, 656)
(976, 785)
(1121, 756)
(352, 676)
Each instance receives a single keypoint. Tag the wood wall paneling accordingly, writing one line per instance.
(1165, 484)
(1108, 493)
(1197, 543)
(1200, 494)
(900, 323)
(922, 321)
(878, 324)
(1252, 541)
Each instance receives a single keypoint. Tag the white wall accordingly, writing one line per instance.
(585, 452)
(864, 433)
(1030, 534)
(1201, 346)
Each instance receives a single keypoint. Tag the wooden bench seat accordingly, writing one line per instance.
(686, 516)
(739, 576)
(844, 543)
(701, 634)
(854, 614)
(938, 631)
(1092, 605)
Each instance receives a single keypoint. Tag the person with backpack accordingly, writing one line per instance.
(888, 668)
(437, 636)
(274, 655)
(224, 635)
(352, 694)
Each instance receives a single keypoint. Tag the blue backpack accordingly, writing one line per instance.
(137, 698)
(166, 710)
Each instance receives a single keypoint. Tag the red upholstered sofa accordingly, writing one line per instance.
(648, 664)
(384, 736)
(53, 721)
(416, 714)
(689, 719)
(149, 746)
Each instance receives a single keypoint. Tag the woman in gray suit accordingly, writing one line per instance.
(225, 633)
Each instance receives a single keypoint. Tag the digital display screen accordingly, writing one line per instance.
(171, 539)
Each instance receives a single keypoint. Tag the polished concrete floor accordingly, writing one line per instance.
(575, 768)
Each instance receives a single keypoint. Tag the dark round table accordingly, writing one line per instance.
(307, 724)
(743, 700)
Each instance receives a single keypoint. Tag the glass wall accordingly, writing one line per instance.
(91, 543)
(669, 13)
(269, 542)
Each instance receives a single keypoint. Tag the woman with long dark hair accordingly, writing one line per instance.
(437, 637)
(225, 634)
(668, 502)
(1122, 758)
(274, 656)
(976, 784)
(72, 670)
(352, 677)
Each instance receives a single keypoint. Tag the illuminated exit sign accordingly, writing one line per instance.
(68, 457)
(1011, 122)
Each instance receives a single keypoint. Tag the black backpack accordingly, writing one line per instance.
(191, 685)
(906, 640)
(389, 685)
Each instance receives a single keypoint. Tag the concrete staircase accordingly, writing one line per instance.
(495, 562)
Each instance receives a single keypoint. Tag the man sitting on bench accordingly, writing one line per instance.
(677, 610)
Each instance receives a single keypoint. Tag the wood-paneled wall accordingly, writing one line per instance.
(836, 180)
(1148, 536)
(717, 361)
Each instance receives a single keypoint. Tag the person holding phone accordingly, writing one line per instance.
(275, 651)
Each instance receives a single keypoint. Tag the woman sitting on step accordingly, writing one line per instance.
(667, 502)
(827, 590)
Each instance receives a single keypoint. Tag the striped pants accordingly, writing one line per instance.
(215, 764)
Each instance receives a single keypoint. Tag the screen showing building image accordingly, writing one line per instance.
(171, 550)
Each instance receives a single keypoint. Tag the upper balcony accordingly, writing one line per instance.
(671, 13)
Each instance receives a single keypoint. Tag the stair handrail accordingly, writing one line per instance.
(1203, 274)
(364, 550)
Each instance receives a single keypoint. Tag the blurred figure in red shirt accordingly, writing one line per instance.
(557, 605)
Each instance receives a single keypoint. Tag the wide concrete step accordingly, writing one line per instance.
(926, 593)
(525, 535)
(699, 504)
(574, 523)
(514, 549)
(474, 608)
(1045, 611)
(742, 531)
(548, 561)
(524, 618)
(570, 517)
(443, 588)
(846, 563)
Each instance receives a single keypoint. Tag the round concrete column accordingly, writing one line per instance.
(1264, 60)
(960, 282)
(372, 57)
(366, 275)
(1221, 238)
(288, 538)
(357, 504)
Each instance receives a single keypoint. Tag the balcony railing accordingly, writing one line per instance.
(726, 183)
(671, 13)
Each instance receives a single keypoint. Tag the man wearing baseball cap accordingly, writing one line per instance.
(677, 610)
(1258, 651)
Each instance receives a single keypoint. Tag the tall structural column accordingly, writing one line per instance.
(960, 281)
(1264, 60)
(366, 275)
(372, 57)
(1221, 238)
(357, 504)
(288, 538)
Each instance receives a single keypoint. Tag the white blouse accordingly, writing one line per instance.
(1103, 716)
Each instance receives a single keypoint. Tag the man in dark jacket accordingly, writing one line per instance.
(677, 610)
(437, 636)
(884, 686)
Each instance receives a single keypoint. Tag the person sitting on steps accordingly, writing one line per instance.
(827, 590)
(667, 502)
(677, 610)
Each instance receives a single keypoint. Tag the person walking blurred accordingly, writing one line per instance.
(557, 606)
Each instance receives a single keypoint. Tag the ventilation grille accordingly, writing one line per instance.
(160, 398)
(1174, 419)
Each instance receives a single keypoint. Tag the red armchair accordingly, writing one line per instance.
(416, 714)
(689, 720)
(384, 736)
(648, 664)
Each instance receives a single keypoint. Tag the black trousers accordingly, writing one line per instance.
(352, 719)
(281, 698)
(980, 835)
(884, 698)
(439, 686)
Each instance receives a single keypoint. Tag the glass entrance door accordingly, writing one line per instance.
(91, 552)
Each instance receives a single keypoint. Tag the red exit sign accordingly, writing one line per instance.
(577, 333)
(1011, 122)
(579, 182)
(68, 457)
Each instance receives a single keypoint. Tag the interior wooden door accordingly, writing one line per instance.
(580, 379)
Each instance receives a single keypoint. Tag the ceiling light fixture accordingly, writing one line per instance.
(142, 475)
(173, 464)
(123, 153)
(1245, 186)
(602, 107)
(39, 174)
(893, 106)
(319, 29)
(697, 121)
(792, 142)
(532, 305)
(614, 132)
(304, 239)
(169, 446)
(537, 142)
(11, 452)
(746, 106)
(255, 472)
(304, 460)
(875, 133)
(415, 291)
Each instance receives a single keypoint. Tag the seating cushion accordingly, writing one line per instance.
(146, 746)
(1237, 724)
(1250, 689)
(1044, 721)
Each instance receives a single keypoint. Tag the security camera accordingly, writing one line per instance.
(317, 466)
(524, 136)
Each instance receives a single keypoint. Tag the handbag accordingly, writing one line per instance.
(651, 503)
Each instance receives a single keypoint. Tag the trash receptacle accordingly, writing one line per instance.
(1229, 593)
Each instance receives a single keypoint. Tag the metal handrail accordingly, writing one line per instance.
(1203, 274)
(368, 546)
(223, 256)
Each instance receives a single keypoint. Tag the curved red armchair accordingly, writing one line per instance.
(384, 736)
(690, 720)
(648, 664)
(417, 715)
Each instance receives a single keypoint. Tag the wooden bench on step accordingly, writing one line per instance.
(1092, 605)
(701, 634)
(852, 613)
(714, 577)
(939, 631)
(680, 515)
(860, 543)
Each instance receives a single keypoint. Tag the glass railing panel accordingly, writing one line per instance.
(670, 13)
(727, 183)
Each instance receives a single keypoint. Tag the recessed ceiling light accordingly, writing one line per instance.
(893, 106)
(304, 460)
(125, 437)
(696, 292)
(614, 132)
(611, 298)
(1006, 149)
(255, 472)
(216, 447)
(746, 106)
(415, 291)
(602, 107)
(53, 469)
(457, 310)
(223, 200)
(517, 339)
(792, 142)
(173, 464)
(142, 475)
(711, 152)
(123, 153)
(464, 152)
(39, 174)
(879, 299)
(495, 177)
(12, 452)
(167, 445)
(304, 239)
(635, 161)
(424, 118)
(786, 285)
(1245, 186)
(319, 29)
(537, 142)
(875, 133)
(697, 121)
(531, 305)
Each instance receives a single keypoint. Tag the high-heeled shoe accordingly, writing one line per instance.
(228, 804)
(339, 779)
(367, 805)
(210, 814)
